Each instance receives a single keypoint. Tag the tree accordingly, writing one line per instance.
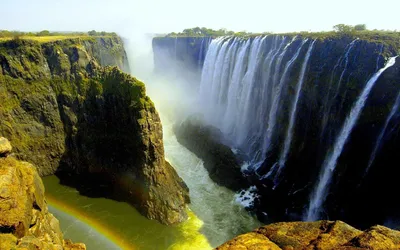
(360, 27)
(44, 33)
(92, 33)
(343, 28)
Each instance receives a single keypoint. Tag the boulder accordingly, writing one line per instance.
(377, 237)
(25, 222)
(249, 241)
(5, 146)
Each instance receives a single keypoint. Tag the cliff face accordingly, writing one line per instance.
(32, 75)
(25, 222)
(219, 160)
(63, 111)
(319, 235)
(289, 130)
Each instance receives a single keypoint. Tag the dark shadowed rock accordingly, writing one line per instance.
(219, 160)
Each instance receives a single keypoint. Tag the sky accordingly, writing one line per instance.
(158, 16)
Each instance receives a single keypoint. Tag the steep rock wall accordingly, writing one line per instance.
(64, 112)
(335, 76)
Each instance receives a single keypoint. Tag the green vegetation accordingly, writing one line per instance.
(34, 75)
(348, 28)
(47, 36)
(390, 38)
(199, 32)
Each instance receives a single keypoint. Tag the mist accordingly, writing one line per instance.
(172, 90)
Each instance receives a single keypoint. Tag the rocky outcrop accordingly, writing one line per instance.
(219, 160)
(5, 146)
(25, 222)
(64, 111)
(32, 75)
(319, 235)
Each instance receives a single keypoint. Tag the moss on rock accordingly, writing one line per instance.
(64, 111)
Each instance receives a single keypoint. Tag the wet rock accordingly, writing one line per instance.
(205, 141)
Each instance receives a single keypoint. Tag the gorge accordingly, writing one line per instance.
(228, 132)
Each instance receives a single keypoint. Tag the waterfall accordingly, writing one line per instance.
(320, 192)
(249, 80)
(208, 71)
(234, 87)
(237, 76)
(329, 99)
(379, 56)
(276, 100)
(275, 94)
(382, 133)
(266, 96)
(289, 133)
(346, 63)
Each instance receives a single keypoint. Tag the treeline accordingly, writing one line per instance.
(197, 31)
(339, 29)
(7, 33)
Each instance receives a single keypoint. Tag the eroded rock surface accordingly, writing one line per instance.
(319, 235)
(25, 222)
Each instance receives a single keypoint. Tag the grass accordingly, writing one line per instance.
(45, 39)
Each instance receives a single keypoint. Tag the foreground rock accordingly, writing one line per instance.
(320, 235)
(25, 222)
(5, 146)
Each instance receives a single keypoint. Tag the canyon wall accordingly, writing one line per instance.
(65, 109)
(288, 101)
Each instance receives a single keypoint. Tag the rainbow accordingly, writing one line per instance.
(192, 238)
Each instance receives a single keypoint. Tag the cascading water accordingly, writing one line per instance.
(281, 101)
(332, 96)
(346, 64)
(248, 88)
(382, 133)
(289, 133)
(215, 206)
(234, 86)
(228, 88)
(319, 195)
(277, 85)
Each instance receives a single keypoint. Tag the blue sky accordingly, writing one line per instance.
(174, 15)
